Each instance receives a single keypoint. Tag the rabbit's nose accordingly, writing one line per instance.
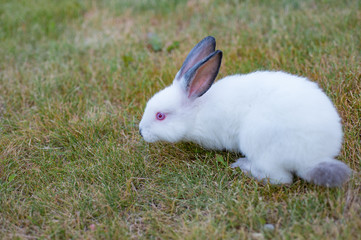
(140, 132)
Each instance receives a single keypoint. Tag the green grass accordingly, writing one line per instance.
(74, 80)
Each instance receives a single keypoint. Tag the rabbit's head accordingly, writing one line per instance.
(171, 113)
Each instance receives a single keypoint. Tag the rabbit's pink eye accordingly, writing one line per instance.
(160, 116)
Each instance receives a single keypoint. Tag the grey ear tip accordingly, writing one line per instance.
(218, 52)
(202, 50)
(209, 39)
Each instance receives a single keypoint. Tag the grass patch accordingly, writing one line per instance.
(74, 79)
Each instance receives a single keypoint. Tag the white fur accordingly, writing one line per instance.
(282, 123)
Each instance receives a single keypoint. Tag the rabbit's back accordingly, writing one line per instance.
(278, 109)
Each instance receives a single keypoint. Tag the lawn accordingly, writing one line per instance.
(75, 77)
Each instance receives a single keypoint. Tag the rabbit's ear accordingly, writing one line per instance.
(201, 76)
(199, 52)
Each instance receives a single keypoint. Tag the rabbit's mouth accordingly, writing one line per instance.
(146, 136)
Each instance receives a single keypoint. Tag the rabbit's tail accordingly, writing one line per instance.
(328, 173)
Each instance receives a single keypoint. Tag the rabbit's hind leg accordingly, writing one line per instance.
(263, 172)
(243, 163)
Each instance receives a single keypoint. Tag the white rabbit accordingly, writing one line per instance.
(283, 124)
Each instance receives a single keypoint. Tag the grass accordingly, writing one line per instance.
(75, 77)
